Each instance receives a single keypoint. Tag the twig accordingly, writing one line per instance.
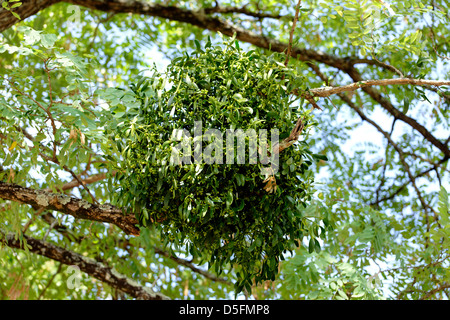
(292, 138)
(81, 183)
(50, 282)
(389, 67)
(52, 225)
(434, 291)
(291, 36)
(433, 36)
(75, 183)
(383, 174)
(189, 265)
(55, 160)
(27, 225)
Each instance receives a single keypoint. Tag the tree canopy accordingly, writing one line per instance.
(100, 100)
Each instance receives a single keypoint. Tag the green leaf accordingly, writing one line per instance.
(312, 245)
(48, 40)
(31, 36)
(320, 157)
(16, 15)
(342, 295)
(443, 206)
(406, 103)
(15, 5)
(238, 97)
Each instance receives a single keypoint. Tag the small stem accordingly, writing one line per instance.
(291, 36)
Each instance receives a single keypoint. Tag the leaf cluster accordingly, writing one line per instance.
(222, 213)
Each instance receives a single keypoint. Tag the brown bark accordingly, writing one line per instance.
(328, 91)
(77, 208)
(27, 9)
(95, 269)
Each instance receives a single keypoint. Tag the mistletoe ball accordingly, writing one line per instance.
(183, 173)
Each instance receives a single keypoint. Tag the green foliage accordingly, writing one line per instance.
(441, 232)
(223, 213)
(366, 234)
(54, 89)
(11, 4)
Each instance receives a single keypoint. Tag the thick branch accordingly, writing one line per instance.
(328, 91)
(196, 18)
(77, 208)
(199, 19)
(241, 10)
(27, 9)
(388, 106)
(95, 269)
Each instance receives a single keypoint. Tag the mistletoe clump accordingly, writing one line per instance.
(241, 214)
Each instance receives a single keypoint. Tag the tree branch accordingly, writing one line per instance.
(328, 91)
(195, 18)
(75, 183)
(241, 10)
(191, 266)
(291, 35)
(387, 105)
(77, 208)
(27, 9)
(202, 20)
(436, 290)
(400, 188)
(95, 269)
(339, 91)
(399, 151)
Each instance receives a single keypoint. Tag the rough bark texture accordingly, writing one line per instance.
(95, 269)
(75, 207)
(27, 9)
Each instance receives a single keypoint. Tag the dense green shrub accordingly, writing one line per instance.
(223, 213)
